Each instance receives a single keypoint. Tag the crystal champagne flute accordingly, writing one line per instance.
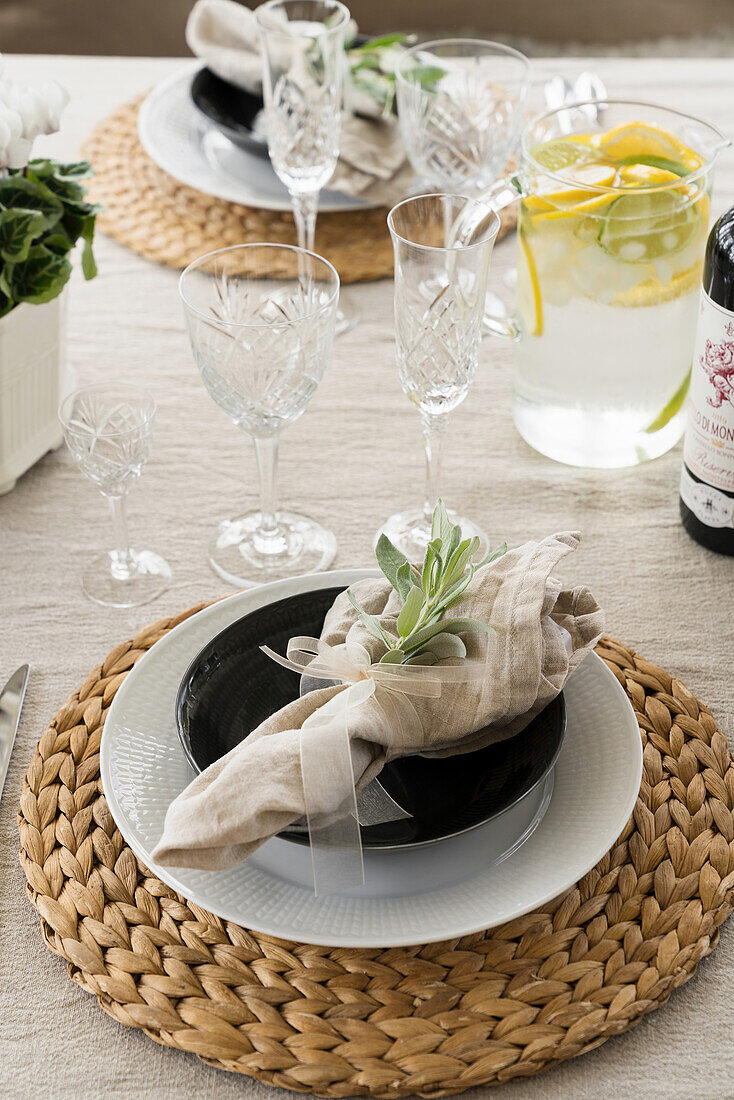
(303, 81)
(108, 430)
(442, 245)
(261, 319)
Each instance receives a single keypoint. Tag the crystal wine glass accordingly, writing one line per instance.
(261, 319)
(442, 245)
(460, 105)
(108, 430)
(303, 80)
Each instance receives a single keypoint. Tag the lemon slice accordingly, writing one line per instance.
(585, 176)
(634, 139)
(537, 328)
(652, 292)
(644, 227)
(645, 175)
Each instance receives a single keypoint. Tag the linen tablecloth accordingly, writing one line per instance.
(664, 595)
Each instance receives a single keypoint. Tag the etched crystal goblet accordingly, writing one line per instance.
(108, 430)
(260, 319)
(442, 245)
(303, 86)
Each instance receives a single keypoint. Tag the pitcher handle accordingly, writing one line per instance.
(503, 192)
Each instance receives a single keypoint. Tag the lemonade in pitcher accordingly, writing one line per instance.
(612, 229)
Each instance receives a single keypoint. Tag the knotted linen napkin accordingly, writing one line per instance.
(372, 161)
(542, 633)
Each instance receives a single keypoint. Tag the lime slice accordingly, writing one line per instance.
(665, 164)
(674, 406)
(563, 153)
(644, 227)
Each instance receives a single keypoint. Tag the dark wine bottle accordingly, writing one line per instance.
(707, 477)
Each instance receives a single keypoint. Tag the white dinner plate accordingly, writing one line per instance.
(186, 145)
(420, 896)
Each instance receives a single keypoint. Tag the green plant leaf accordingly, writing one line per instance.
(409, 612)
(390, 560)
(425, 658)
(89, 264)
(446, 645)
(18, 230)
(371, 623)
(38, 278)
(450, 626)
(75, 170)
(19, 192)
(392, 657)
(494, 555)
(441, 524)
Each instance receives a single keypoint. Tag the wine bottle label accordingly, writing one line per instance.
(709, 445)
(711, 506)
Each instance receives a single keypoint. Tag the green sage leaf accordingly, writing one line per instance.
(390, 561)
(446, 645)
(393, 657)
(409, 612)
(370, 623)
(494, 555)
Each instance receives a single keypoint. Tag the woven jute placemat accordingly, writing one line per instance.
(163, 220)
(429, 1020)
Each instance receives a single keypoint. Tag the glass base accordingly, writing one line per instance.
(115, 582)
(346, 319)
(593, 440)
(243, 557)
(410, 531)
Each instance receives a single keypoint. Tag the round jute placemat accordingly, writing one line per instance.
(432, 1019)
(163, 220)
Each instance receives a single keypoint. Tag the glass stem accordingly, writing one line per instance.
(268, 535)
(121, 560)
(305, 209)
(433, 428)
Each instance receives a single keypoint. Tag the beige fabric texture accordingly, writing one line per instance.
(662, 593)
(524, 665)
(372, 163)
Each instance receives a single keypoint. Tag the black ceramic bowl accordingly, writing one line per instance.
(231, 686)
(232, 110)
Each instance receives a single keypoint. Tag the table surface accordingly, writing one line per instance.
(664, 595)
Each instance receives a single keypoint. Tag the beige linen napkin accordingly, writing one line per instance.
(372, 161)
(256, 789)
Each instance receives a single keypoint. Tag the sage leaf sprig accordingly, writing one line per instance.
(424, 635)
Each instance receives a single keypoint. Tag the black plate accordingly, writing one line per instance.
(231, 109)
(231, 686)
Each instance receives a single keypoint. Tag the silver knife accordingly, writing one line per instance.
(11, 702)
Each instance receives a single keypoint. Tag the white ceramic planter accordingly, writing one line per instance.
(34, 379)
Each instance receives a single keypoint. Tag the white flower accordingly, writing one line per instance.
(24, 114)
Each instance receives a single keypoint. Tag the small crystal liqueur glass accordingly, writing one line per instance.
(460, 105)
(303, 83)
(261, 320)
(108, 430)
(443, 245)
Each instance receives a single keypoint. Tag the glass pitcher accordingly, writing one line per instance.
(612, 228)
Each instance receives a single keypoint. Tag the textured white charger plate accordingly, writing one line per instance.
(186, 145)
(420, 896)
